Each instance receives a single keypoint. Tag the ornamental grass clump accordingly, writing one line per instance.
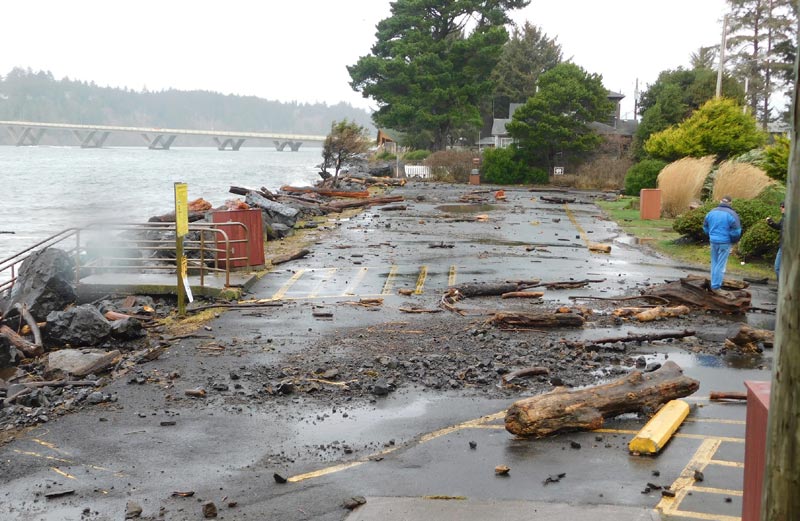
(681, 183)
(740, 181)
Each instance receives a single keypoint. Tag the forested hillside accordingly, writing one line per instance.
(37, 96)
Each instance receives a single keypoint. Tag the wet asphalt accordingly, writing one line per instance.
(438, 448)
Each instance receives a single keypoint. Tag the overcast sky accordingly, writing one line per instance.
(298, 50)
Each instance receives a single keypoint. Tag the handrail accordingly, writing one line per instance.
(221, 253)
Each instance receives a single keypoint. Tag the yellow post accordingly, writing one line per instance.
(657, 432)
(181, 229)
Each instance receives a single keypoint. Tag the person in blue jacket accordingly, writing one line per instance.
(723, 227)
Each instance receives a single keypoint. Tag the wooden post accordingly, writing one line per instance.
(780, 500)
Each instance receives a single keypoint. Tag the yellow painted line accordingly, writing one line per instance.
(703, 515)
(722, 463)
(281, 292)
(425, 438)
(423, 274)
(387, 286)
(716, 420)
(658, 431)
(577, 226)
(685, 481)
(678, 435)
(722, 491)
(451, 279)
(49, 445)
(61, 472)
(329, 273)
(37, 455)
(350, 291)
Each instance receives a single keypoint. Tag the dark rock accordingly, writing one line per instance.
(79, 326)
(667, 493)
(285, 388)
(354, 502)
(95, 398)
(698, 476)
(574, 444)
(127, 329)
(133, 510)
(276, 231)
(381, 387)
(209, 510)
(380, 170)
(653, 366)
(44, 283)
(278, 478)
(473, 445)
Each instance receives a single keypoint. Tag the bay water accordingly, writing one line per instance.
(44, 190)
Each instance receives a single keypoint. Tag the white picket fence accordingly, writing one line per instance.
(423, 172)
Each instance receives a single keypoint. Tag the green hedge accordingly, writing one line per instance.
(643, 175)
(417, 155)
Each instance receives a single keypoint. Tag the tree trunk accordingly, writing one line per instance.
(586, 409)
(780, 500)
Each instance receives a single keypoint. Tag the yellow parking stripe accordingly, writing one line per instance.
(387, 286)
(577, 226)
(678, 435)
(722, 491)
(61, 472)
(451, 279)
(351, 289)
(722, 463)
(423, 274)
(704, 516)
(281, 292)
(683, 484)
(325, 278)
(477, 422)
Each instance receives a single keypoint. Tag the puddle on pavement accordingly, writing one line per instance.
(466, 208)
(630, 239)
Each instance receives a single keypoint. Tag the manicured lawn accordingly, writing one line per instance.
(660, 236)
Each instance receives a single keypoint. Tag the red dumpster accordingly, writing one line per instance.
(247, 247)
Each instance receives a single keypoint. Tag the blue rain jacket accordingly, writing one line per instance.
(722, 224)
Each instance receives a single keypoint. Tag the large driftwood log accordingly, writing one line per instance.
(338, 206)
(694, 291)
(487, 289)
(632, 338)
(586, 409)
(361, 194)
(259, 201)
(536, 320)
(280, 259)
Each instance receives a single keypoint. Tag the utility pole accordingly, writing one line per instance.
(780, 500)
(721, 66)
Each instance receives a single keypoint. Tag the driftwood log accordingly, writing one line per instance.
(360, 194)
(488, 289)
(523, 294)
(746, 339)
(695, 292)
(338, 206)
(631, 338)
(652, 313)
(587, 409)
(280, 259)
(29, 349)
(506, 320)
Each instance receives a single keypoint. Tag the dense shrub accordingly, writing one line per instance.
(643, 175)
(385, 155)
(537, 176)
(776, 159)
(451, 165)
(500, 166)
(760, 240)
(416, 155)
(690, 224)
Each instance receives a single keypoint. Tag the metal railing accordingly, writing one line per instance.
(109, 248)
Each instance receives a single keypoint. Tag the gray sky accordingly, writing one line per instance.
(298, 50)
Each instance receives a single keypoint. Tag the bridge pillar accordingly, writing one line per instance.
(160, 141)
(92, 139)
(280, 146)
(27, 136)
(234, 144)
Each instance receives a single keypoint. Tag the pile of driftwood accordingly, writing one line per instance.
(695, 291)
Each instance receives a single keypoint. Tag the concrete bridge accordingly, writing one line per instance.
(29, 133)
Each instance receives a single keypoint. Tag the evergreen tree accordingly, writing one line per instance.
(761, 41)
(431, 64)
(554, 122)
(528, 54)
